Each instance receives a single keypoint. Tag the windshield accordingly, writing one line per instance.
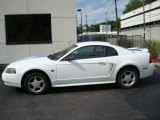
(60, 54)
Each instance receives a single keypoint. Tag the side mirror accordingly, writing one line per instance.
(69, 58)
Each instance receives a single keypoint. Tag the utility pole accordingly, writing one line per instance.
(80, 10)
(117, 20)
(144, 21)
(77, 23)
(86, 23)
(106, 24)
(81, 24)
(94, 26)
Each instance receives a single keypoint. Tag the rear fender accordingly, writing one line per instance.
(117, 68)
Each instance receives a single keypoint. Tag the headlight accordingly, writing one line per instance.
(10, 70)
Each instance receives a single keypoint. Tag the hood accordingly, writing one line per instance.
(32, 61)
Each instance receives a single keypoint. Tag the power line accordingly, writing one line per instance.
(103, 11)
(102, 5)
(90, 9)
(102, 14)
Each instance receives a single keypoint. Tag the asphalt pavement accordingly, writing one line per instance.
(97, 102)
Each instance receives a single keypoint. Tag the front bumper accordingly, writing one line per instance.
(147, 71)
(11, 79)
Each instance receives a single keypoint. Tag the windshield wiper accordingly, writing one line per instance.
(50, 56)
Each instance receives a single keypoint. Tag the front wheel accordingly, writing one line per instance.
(127, 78)
(36, 83)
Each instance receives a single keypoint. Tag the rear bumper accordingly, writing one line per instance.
(147, 71)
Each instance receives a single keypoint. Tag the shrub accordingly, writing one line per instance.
(154, 48)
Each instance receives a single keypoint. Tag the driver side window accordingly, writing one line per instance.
(89, 52)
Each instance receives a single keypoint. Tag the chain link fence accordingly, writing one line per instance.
(123, 40)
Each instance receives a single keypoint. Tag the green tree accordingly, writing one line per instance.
(85, 28)
(94, 28)
(134, 4)
(149, 1)
(113, 24)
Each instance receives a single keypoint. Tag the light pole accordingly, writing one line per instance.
(86, 23)
(117, 20)
(80, 10)
(144, 21)
(106, 23)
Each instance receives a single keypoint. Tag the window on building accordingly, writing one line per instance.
(28, 29)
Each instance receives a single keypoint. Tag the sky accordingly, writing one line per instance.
(96, 10)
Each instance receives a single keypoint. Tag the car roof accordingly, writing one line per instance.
(81, 44)
(119, 49)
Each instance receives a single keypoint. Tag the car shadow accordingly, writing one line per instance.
(86, 88)
(146, 101)
(150, 81)
(71, 89)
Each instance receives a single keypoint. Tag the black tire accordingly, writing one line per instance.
(36, 83)
(127, 78)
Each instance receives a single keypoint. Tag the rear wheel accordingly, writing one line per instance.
(36, 83)
(127, 78)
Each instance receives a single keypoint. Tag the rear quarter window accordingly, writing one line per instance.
(110, 52)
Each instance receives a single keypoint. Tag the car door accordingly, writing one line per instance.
(89, 64)
(112, 58)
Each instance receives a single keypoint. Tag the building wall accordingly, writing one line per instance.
(152, 32)
(63, 20)
(132, 22)
(135, 17)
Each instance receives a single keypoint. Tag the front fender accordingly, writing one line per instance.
(46, 69)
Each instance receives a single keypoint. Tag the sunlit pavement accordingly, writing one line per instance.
(98, 102)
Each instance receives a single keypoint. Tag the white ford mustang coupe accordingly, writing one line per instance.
(84, 63)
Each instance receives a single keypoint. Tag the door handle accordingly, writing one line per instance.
(102, 63)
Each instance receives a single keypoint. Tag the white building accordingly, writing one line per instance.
(132, 22)
(102, 31)
(103, 28)
(35, 27)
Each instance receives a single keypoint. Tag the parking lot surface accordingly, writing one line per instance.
(97, 102)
